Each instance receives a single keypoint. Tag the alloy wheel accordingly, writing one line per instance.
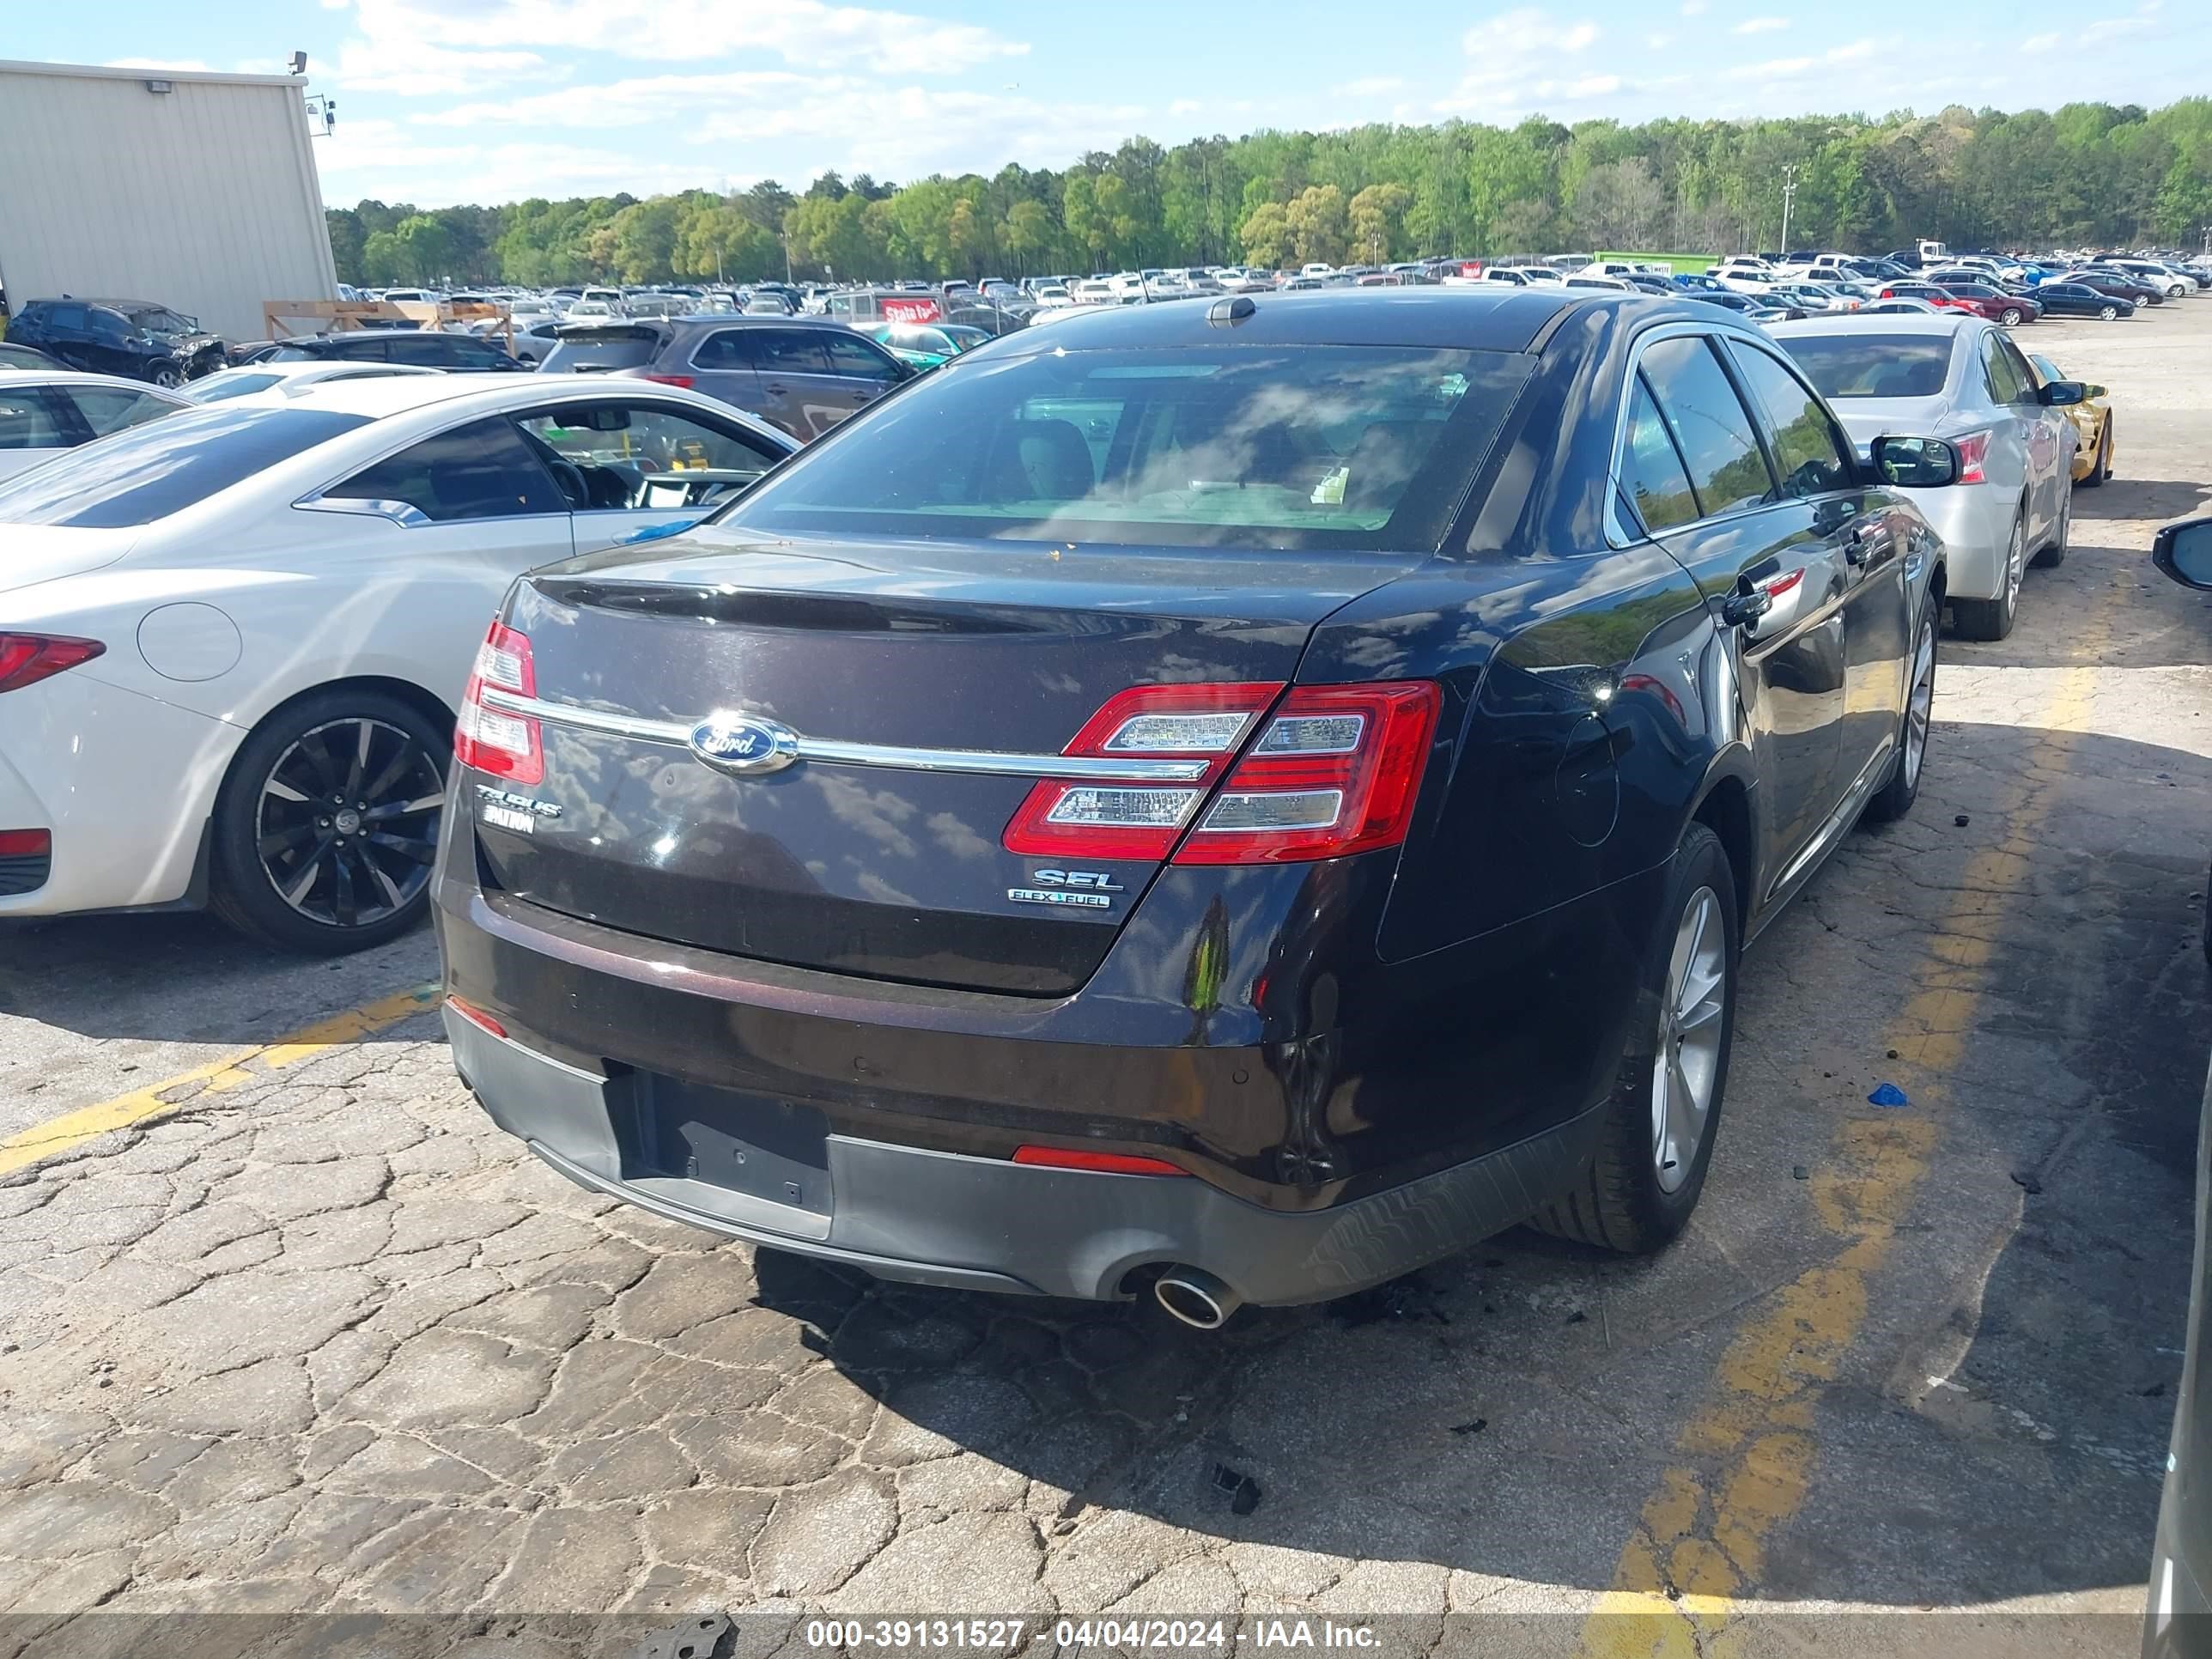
(2110, 314)
(168, 377)
(347, 825)
(2015, 562)
(1689, 1058)
(1920, 704)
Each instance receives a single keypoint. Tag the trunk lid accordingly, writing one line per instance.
(33, 553)
(889, 871)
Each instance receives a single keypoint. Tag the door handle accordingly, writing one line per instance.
(780, 391)
(1855, 547)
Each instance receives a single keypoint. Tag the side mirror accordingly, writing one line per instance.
(1915, 463)
(2184, 551)
(2090, 389)
(2059, 393)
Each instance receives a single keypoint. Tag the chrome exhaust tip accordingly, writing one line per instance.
(1196, 1297)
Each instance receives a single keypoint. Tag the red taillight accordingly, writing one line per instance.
(476, 1016)
(26, 843)
(1202, 725)
(496, 740)
(1060, 1158)
(1974, 450)
(683, 380)
(1336, 772)
(27, 659)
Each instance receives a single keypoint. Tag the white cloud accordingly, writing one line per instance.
(183, 65)
(1791, 69)
(1511, 55)
(1693, 8)
(2041, 42)
(427, 47)
(1369, 86)
(1760, 26)
(378, 158)
(1657, 42)
(2095, 34)
(1185, 106)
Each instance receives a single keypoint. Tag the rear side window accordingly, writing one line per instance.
(28, 420)
(1651, 468)
(723, 350)
(149, 471)
(1278, 447)
(66, 319)
(791, 350)
(111, 409)
(481, 471)
(1710, 426)
(1807, 453)
(855, 359)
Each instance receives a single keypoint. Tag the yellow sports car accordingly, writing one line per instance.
(2092, 420)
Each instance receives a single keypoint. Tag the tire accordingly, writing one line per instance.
(2101, 467)
(1895, 797)
(2110, 314)
(1622, 1201)
(351, 887)
(1992, 619)
(2011, 316)
(2052, 557)
(167, 376)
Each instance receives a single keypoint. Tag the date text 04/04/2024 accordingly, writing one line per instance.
(1007, 1635)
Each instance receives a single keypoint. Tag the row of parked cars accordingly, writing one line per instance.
(817, 743)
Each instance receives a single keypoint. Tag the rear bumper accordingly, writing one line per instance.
(1975, 521)
(929, 1217)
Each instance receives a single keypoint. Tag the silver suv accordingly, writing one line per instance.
(795, 372)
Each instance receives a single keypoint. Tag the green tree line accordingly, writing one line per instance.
(2085, 174)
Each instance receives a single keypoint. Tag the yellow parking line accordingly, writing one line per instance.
(73, 1129)
(1744, 1461)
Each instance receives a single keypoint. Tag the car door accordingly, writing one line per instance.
(2050, 439)
(470, 508)
(66, 337)
(864, 368)
(36, 426)
(107, 343)
(721, 366)
(645, 467)
(1813, 462)
(2025, 448)
(798, 390)
(1696, 471)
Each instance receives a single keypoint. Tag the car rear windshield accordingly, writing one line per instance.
(149, 471)
(231, 383)
(1857, 365)
(597, 350)
(1261, 447)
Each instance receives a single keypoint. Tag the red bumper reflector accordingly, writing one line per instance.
(26, 843)
(476, 1016)
(1062, 1158)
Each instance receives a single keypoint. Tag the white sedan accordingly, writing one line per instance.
(44, 414)
(288, 377)
(231, 640)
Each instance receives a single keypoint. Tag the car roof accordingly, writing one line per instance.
(375, 397)
(1891, 323)
(21, 377)
(1498, 318)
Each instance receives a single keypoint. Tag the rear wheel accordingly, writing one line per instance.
(1992, 619)
(1659, 1124)
(327, 827)
(1896, 797)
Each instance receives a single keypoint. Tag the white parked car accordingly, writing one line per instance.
(290, 379)
(1961, 379)
(233, 641)
(44, 413)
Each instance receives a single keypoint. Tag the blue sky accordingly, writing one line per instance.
(489, 101)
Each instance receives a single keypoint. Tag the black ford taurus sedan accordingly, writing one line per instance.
(1240, 799)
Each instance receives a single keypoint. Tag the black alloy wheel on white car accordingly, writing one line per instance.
(326, 828)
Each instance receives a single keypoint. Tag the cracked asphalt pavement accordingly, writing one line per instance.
(304, 1335)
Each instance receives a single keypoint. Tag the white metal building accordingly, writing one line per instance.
(195, 190)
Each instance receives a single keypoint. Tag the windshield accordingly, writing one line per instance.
(1859, 365)
(231, 383)
(159, 319)
(600, 350)
(149, 471)
(1285, 447)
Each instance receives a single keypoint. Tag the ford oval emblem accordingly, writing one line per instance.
(744, 745)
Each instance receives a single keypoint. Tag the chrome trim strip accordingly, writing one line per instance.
(988, 763)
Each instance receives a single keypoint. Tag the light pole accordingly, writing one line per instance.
(1789, 193)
